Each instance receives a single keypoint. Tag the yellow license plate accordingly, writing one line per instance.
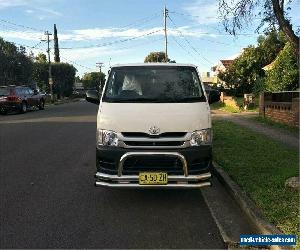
(151, 178)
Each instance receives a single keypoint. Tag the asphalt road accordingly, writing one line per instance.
(48, 200)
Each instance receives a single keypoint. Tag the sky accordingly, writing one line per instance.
(116, 31)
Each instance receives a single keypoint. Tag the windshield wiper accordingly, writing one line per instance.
(191, 99)
(157, 100)
(134, 100)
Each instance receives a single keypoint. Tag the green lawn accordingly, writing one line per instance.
(222, 106)
(291, 129)
(231, 109)
(260, 167)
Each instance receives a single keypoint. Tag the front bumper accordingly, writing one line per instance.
(9, 106)
(186, 168)
(175, 181)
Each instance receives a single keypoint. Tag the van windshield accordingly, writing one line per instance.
(153, 84)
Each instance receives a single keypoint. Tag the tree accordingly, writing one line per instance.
(284, 73)
(40, 74)
(236, 14)
(63, 75)
(91, 80)
(16, 67)
(56, 49)
(156, 57)
(41, 58)
(246, 70)
(15, 64)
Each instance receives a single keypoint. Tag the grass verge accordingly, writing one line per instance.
(269, 122)
(260, 167)
(222, 106)
(230, 109)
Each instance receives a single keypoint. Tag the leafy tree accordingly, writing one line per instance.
(41, 58)
(284, 74)
(15, 65)
(92, 80)
(56, 49)
(246, 70)
(63, 75)
(40, 75)
(156, 57)
(236, 14)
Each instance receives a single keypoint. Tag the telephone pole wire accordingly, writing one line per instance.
(166, 37)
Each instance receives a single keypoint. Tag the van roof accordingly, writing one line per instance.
(154, 64)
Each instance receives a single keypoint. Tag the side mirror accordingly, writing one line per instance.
(92, 96)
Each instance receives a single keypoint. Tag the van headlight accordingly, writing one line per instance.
(106, 138)
(201, 137)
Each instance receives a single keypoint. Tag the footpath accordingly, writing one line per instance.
(280, 135)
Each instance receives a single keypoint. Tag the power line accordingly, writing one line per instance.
(217, 18)
(141, 44)
(185, 49)
(113, 42)
(78, 64)
(208, 17)
(137, 23)
(20, 25)
(142, 20)
(193, 48)
(39, 43)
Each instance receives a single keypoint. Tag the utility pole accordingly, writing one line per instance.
(50, 81)
(166, 37)
(100, 65)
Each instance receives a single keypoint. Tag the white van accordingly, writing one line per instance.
(153, 127)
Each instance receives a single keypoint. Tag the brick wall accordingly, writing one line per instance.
(283, 112)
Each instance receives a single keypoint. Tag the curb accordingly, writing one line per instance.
(252, 213)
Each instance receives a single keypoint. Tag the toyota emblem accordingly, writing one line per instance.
(154, 130)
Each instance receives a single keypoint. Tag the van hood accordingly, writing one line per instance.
(139, 117)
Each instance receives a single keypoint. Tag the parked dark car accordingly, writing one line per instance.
(20, 98)
(212, 93)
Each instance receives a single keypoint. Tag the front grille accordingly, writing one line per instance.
(162, 135)
(170, 164)
(152, 143)
(137, 164)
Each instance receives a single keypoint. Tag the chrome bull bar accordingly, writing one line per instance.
(126, 155)
(180, 181)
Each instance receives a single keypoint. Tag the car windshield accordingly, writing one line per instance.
(153, 84)
(4, 91)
